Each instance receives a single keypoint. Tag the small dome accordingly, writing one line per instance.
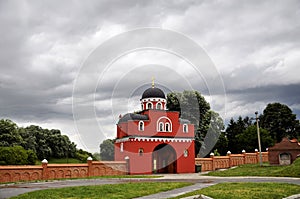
(153, 93)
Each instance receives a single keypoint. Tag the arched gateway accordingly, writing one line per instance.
(164, 159)
(155, 140)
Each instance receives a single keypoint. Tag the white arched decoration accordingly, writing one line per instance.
(121, 147)
(185, 128)
(141, 126)
(158, 106)
(161, 127)
(159, 122)
(167, 127)
(149, 105)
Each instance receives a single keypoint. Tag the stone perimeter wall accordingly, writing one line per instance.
(225, 162)
(56, 171)
(96, 168)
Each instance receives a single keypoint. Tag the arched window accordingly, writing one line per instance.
(142, 106)
(185, 128)
(185, 153)
(121, 147)
(158, 106)
(161, 126)
(164, 124)
(141, 151)
(149, 105)
(167, 127)
(141, 126)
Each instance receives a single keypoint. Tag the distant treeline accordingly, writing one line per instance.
(19, 145)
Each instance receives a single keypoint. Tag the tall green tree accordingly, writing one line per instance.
(248, 139)
(212, 139)
(192, 106)
(107, 150)
(234, 129)
(9, 135)
(280, 121)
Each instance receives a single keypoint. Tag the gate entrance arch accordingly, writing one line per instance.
(164, 159)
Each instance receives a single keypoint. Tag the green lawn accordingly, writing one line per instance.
(128, 190)
(248, 191)
(292, 170)
(126, 176)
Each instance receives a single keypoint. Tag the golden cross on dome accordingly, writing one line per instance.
(152, 82)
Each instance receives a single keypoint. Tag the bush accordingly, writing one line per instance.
(31, 157)
(83, 155)
(16, 155)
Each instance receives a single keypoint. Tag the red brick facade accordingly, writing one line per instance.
(57, 171)
(155, 140)
(287, 149)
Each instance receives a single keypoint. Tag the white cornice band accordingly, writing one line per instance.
(156, 99)
(153, 139)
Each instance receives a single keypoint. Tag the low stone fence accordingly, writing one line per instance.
(57, 171)
(224, 162)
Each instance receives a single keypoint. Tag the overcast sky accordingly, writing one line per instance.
(47, 47)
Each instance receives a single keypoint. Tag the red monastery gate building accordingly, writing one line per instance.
(155, 140)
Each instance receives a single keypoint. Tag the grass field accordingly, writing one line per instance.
(248, 191)
(292, 170)
(128, 190)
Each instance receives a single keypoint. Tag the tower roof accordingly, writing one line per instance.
(153, 92)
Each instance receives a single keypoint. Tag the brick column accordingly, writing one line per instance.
(257, 156)
(212, 161)
(244, 153)
(45, 169)
(90, 164)
(127, 165)
(229, 155)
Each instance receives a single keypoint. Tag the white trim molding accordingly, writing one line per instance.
(153, 139)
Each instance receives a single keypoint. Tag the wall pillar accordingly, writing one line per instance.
(90, 164)
(229, 155)
(257, 156)
(212, 161)
(244, 158)
(127, 165)
(45, 169)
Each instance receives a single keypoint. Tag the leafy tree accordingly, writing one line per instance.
(222, 144)
(216, 127)
(31, 157)
(29, 140)
(107, 150)
(9, 135)
(192, 106)
(47, 143)
(42, 149)
(233, 130)
(83, 155)
(39, 142)
(16, 155)
(97, 156)
(248, 139)
(280, 121)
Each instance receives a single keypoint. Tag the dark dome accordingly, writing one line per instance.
(153, 93)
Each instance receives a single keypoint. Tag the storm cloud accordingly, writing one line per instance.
(254, 45)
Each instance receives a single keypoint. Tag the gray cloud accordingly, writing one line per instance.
(255, 47)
